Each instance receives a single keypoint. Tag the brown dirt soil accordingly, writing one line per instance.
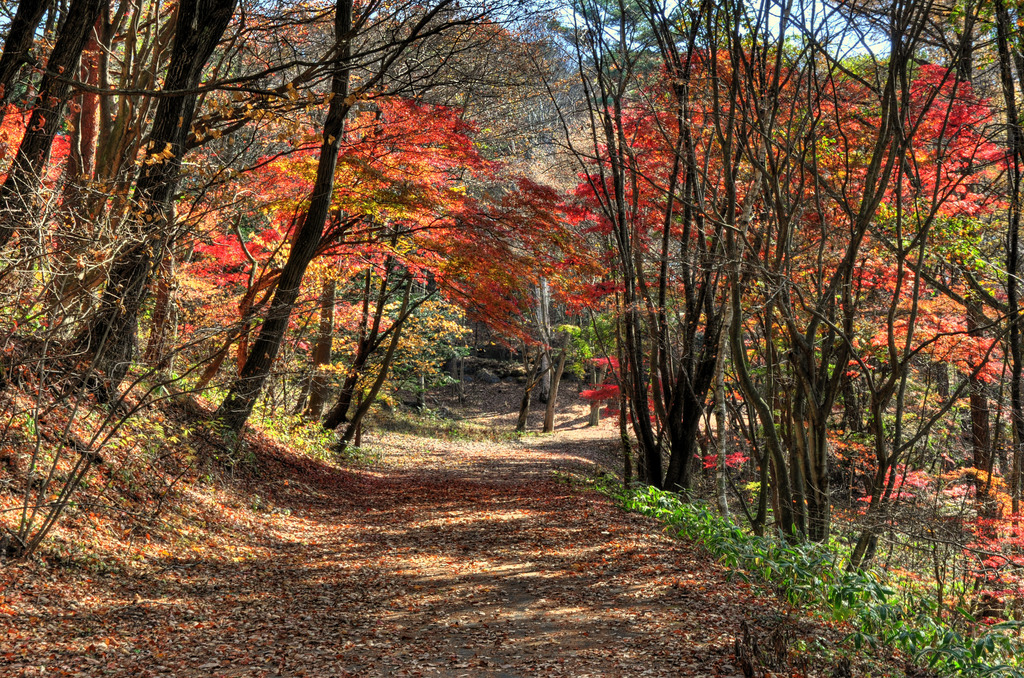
(445, 558)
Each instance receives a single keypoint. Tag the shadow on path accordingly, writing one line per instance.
(469, 560)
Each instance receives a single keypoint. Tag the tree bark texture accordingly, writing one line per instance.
(1015, 142)
(19, 199)
(556, 378)
(20, 36)
(112, 336)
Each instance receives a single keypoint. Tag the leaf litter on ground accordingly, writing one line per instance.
(444, 558)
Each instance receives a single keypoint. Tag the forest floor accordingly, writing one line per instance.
(479, 555)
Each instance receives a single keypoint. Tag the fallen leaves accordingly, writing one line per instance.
(473, 562)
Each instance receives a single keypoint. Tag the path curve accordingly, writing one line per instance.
(447, 559)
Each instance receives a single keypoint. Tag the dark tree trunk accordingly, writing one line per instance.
(368, 342)
(20, 37)
(163, 316)
(784, 495)
(18, 198)
(807, 441)
(684, 417)
(238, 404)
(965, 59)
(682, 434)
(338, 414)
(940, 372)
(532, 378)
(813, 446)
(67, 287)
(853, 418)
(82, 156)
(625, 444)
(112, 335)
(631, 355)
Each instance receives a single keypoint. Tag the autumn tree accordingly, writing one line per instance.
(406, 29)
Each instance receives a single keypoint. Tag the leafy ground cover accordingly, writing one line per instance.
(809, 574)
(478, 556)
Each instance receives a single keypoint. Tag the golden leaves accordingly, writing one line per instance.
(163, 156)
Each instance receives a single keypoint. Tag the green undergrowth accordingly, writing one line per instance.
(816, 575)
(299, 433)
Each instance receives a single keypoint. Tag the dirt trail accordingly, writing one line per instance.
(449, 558)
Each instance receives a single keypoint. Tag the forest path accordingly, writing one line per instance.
(450, 558)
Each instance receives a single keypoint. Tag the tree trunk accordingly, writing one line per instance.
(82, 155)
(634, 379)
(124, 118)
(1015, 142)
(853, 419)
(812, 446)
(112, 336)
(784, 501)
(965, 39)
(524, 405)
(544, 330)
(625, 444)
(338, 414)
(163, 316)
(20, 36)
(355, 425)
(597, 379)
(421, 394)
(18, 194)
(683, 424)
(940, 371)
(767, 491)
(368, 342)
(241, 398)
(549, 411)
(980, 432)
(864, 549)
(218, 358)
(461, 386)
(722, 414)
